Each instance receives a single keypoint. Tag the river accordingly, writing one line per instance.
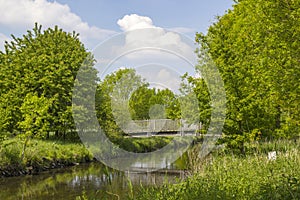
(92, 180)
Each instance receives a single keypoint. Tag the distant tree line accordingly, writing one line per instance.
(124, 95)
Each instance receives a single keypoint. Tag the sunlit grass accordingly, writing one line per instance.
(40, 155)
(231, 176)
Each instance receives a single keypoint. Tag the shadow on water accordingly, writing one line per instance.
(92, 180)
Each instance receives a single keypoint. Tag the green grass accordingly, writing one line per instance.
(42, 155)
(230, 176)
(39, 155)
(144, 144)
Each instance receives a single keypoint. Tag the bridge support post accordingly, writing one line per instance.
(181, 128)
(198, 132)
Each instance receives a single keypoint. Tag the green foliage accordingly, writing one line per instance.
(40, 155)
(256, 49)
(142, 145)
(146, 103)
(198, 112)
(10, 154)
(112, 100)
(35, 112)
(169, 101)
(139, 102)
(123, 96)
(37, 74)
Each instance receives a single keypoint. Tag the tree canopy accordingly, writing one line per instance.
(37, 73)
(256, 49)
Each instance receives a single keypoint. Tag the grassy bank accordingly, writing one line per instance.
(143, 144)
(231, 176)
(40, 155)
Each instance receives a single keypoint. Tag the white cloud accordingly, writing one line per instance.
(171, 80)
(22, 14)
(142, 43)
(160, 76)
(148, 40)
(134, 21)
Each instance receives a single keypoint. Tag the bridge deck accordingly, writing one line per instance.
(158, 126)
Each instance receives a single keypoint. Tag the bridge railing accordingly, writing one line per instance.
(157, 125)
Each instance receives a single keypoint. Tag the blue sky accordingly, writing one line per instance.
(190, 16)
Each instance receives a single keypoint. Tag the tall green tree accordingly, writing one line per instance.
(199, 112)
(43, 63)
(256, 49)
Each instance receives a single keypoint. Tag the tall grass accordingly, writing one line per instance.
(230, 176)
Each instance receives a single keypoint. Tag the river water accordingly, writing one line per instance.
(92, 180)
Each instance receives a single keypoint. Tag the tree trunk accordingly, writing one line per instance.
(277, 117)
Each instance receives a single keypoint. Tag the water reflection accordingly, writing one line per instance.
(94, 179)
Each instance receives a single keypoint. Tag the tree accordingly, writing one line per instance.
(169, 101)
(192, 89)
(35, 112)
(256, 49)
(124, 96)
(42, 64)
(156, 102)
(112, 100)
(139, 102)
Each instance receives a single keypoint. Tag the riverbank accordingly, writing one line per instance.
(43, 155)
(143, 145)
(225, 175)
(40, 155)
